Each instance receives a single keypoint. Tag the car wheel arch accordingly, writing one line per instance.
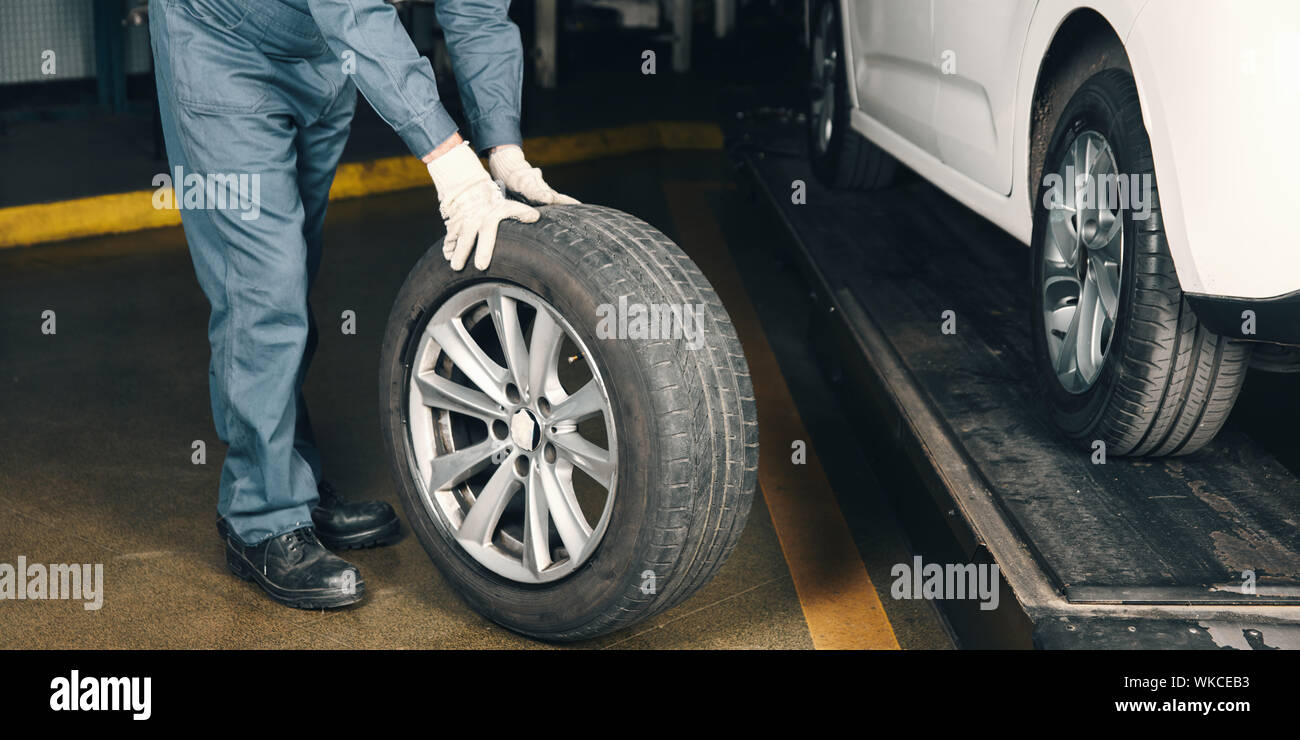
(1083, 44)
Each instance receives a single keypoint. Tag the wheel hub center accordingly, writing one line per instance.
(1089, 230)
(524, 430)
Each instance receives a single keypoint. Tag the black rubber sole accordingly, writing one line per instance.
(380, 535)
(295, 599)
(375, 537)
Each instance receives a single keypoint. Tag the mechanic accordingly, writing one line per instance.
(267, 87)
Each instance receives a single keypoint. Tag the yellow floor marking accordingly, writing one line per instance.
(122, 212)
(839, 601)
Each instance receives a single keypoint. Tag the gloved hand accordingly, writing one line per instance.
(472, 207)
(507, 164)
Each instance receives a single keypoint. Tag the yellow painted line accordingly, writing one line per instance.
(132, 211)
(839, 602)
(69, 219)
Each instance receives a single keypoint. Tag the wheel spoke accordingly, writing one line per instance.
(1064, 238)
(1066, 361)
(1106, 219)
(583, 404)
(470, 358)
(1083, 157)
(1107, 278)
(481, 521)
(564, 510)
(537, 531)
(1062, 227)
(440, 393)
(1087, 351)
(505, 317)
(589, 458)
(543, 355)
(1070, 184)
(1103, 164)
(1109, 240)
(453, 468)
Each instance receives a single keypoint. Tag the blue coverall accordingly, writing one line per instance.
(266, 88)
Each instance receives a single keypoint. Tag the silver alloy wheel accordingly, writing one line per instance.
(825, 60)
(1082, 263)
(491, 415)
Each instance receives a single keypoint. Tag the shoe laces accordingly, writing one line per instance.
(298, 537)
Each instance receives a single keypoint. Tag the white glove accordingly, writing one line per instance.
(508, 165)
(472, 206)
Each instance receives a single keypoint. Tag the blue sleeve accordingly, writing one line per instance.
(488, 59)
(398, 82)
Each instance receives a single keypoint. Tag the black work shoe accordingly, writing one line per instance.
(347, 525)
(296, 570)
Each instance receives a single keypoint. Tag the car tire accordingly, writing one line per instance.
(1165, 383)
(841, 157)
(678, 406)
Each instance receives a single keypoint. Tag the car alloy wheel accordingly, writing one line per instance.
(528, 439)
(1082, 265)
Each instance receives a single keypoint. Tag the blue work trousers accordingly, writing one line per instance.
(256, 99)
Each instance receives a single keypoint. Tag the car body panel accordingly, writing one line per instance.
(892, 77)
(978, 47)
(1217, 114)
(1221, 119)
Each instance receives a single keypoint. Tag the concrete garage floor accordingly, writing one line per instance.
(99, 420)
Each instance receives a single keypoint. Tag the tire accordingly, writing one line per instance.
(680, 412)
(1165, 383)
(841, 157)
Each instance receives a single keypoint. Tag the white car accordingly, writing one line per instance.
(1145, 150)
